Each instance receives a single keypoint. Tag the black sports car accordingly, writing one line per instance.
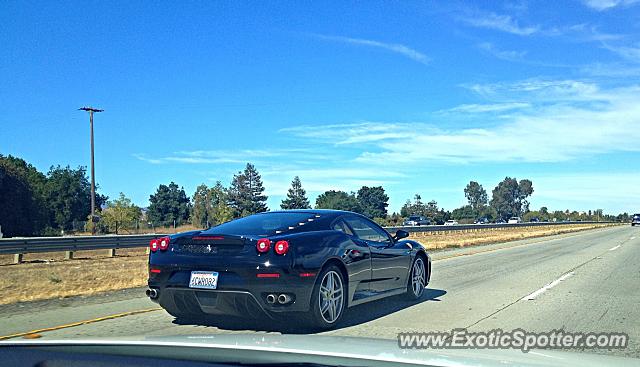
(316, 262)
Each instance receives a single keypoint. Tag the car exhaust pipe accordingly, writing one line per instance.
(152, 293)
(271, 298)
(284, 299)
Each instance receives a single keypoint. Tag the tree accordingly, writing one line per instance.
(169, 205)
(373, 201)
(218, 209)
(431, 209)
(415, 208)
(246, 193)
(120, 213)
(200, 207)
(525, 188)
(476, 195)
(296, 196)
(23, 210)
(509, 197)
(466, 214)
(338, 200)
(68, 195)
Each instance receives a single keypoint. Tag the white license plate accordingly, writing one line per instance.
(204, 279)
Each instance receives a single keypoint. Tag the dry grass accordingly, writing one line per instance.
(48, 275)
(82, 276)
(441, 240)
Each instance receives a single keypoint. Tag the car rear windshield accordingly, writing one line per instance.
(266, 224)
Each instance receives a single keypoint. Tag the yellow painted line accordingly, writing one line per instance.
(85, 322)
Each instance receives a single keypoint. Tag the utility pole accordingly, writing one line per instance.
(91, 110)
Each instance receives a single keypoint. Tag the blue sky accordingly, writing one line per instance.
(420, 97)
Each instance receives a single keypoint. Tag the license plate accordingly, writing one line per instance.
(204, 279)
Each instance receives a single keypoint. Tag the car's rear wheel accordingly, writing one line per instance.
(417, 279)
(329, 298)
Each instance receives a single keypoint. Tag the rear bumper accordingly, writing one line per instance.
(240, 292)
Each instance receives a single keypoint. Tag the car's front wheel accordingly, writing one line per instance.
(329, 298)
(417, 279)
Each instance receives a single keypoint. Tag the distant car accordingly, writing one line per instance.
(451, 222)
(417, 220)
(482, 220)
(635, 220)
(501, 221)
(515, 220)
(534, 220)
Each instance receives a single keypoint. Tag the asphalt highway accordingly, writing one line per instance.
(581, 282)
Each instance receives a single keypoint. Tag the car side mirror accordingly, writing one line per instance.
(400, 234)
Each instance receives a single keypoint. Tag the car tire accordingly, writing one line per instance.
(328, 300)
(417, 281)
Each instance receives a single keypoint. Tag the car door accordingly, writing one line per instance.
(357, 259)
(389, 265)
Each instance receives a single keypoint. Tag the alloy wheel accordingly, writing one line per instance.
(418, 279)
(331, 294)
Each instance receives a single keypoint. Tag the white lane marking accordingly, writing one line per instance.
(633, 238)
(535, 294)
(614, 248)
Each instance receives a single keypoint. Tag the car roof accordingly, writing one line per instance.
(326, 213)
(313, 211)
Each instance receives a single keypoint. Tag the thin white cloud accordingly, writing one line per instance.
(585, 32)
(502, 54)
(144, 158)
(393, 47)
(630, 53)
(239, 156)
(500, 22)
(492, 107)
(342, 134)
(601, 5)
(582, 32)
(538, 89)
(611, 70)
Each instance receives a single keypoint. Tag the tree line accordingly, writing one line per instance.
(35, 203)
(245, 196)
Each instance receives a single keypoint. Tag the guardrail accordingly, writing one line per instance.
(24, 245)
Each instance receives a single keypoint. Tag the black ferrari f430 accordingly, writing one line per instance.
(317, 262)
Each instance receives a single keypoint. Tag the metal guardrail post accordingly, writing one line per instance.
(111, 252)
(17, 258)
(68, 255)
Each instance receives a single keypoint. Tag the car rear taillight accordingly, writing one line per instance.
(281, 247)
(263, 245)
(153, 245)
(163, 243)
